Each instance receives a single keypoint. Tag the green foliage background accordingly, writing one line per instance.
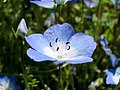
(44, 75)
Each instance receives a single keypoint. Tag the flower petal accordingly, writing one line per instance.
(90, 3)
(113, 60)
(83, 44)
(79, 60)
(109, 72)
(112, 80)
(37, 56)
(44, 3)
(62, 32)
(76, 60)
(37, 41)
(22, 27)
(117, 71)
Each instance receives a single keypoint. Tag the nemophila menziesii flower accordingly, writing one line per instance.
(60, 43)
(8, 83)
(105, 46)
(90, 3)
(49, 3)
(112, 58)
(113, 76)
(22, 28)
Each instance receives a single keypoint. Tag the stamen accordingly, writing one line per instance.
(57, 49)
(56, 40)
(68, 48)
(67, 42)
(50, 44)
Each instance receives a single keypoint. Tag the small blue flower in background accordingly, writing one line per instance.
(44, 3)
(22, 28)
(105, 46)
(115, 1)
(8, 83)
(113, 76)
(90, 3)
(112, 58)
(50, 3)
(59, 43)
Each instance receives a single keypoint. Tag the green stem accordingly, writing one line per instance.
(22, 60)
(98, 21)
(59, 75)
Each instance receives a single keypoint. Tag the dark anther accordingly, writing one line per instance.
(56, 40)
(57, 48)
(50, 44)
(68, 48)
(67, 42)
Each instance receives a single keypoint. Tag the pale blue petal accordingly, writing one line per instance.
(61, 1)
(44, 3)
(113, 60)
(76, 60)
(90, 3)
(103, 41)
(22, 27)
(62, 32)
(3, 78)
(37, 41)
(79, 60)
(105, 46)
(109, 72)
(83, 44)
(112, 80)
(117, 71)
(107, 50)
(37, 56)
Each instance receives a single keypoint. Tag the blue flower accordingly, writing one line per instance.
(22, 28)
(48, 3)
(90, 3)
(105, 46)
(8, 83)
(115, 1)
(113, 59)
(60, 43)
(113, 76)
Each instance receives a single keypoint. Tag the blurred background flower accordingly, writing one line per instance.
(8, 83)
(50, 3)
(112, 58)
(113, 76)
(91, 3)
(22, 28)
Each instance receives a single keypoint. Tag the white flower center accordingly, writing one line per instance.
(60, 50)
